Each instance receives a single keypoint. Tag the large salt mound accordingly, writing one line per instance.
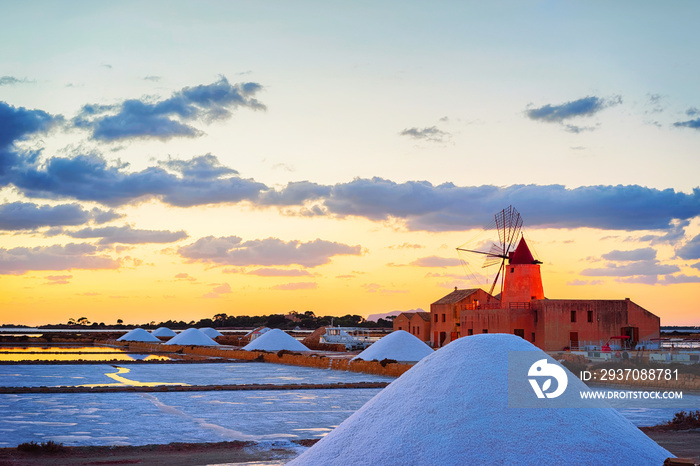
(452, 408)
(399, 345)
(191, 337)
(211, 332)
(275, 340)
(163, 332)
(138, 334)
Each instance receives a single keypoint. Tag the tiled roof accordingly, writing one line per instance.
(424, 315)
(456, 296)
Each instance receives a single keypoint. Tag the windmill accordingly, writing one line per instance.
(507, 225)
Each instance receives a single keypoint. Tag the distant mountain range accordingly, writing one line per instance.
(376, 317)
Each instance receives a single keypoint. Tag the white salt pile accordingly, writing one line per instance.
(452, 408)
(138, 334)
(399, 345)
(191, 337)
(275, 340)
(163, 332)
(211, 332)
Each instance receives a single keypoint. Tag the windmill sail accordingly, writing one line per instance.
(508, 225)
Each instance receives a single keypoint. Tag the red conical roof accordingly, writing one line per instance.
(522, 254)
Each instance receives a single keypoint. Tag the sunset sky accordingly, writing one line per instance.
(175, 159)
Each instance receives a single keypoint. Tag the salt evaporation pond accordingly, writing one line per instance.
(143, 418)
(36, 375)
(148, 418)
(71, 353)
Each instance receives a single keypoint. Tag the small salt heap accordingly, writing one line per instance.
(211, 332)
(163, 332)
(191, 337)
(452, 408)
(400, 346)
(138, 334)
(275, 340)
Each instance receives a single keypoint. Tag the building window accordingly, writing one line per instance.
(470, 331)
(435, 318)
(533, 337)
(485, 330)
(512, 269)
(443, 317)
(573, 316)
(400, 328)
(519, 332)
(535, 311)
(590, 316)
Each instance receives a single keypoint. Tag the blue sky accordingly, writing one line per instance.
(325, 127)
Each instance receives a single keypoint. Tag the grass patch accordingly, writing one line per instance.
(43, 447)
(684, 421)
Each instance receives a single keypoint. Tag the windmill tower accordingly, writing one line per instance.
(516, 270)
(522, 278)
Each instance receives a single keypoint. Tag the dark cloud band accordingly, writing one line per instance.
(232, 250)
(28, 216)
(170, 117)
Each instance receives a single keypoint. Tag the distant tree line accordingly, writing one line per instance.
(306, 320)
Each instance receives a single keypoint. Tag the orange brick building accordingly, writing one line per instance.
(415, 323)
(445, 313)
(523, 310)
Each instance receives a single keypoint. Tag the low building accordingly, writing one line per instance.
(445, 313)
(415, 323)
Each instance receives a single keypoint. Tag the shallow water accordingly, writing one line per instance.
(145, 418)
(71, 353)
(37, 375)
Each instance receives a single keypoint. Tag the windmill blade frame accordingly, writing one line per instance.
(508, 225)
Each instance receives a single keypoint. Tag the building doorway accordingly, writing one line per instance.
(573, 341)
(632, 333)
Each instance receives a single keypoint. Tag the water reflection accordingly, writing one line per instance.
(72, 353)
(122, 381)
(60, 349)
(76, 357)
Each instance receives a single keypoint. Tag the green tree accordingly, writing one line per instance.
(276, 321)
(83, 321)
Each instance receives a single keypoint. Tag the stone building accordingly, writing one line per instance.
(523, 310)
